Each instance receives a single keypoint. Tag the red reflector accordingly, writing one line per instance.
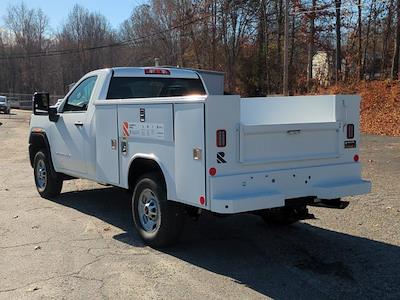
(221, 138)
(157, 71)
(350, 131)
(202, 200)
(212, 171)
(356, 158)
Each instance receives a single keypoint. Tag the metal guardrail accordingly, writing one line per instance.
(24, 101)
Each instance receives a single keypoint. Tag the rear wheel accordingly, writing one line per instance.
(48, 183)
(158, 221)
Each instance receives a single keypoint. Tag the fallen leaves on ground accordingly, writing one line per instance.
(380, 104)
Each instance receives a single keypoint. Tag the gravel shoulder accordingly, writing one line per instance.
(82, 245)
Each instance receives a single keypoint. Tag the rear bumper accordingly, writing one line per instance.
(249, 192)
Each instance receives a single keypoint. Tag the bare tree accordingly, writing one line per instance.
(83, 30)
(28, 27)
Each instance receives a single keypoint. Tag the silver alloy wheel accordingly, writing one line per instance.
(149, 210)
(41, 175)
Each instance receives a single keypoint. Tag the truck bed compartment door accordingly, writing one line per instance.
(189, 153)
(289, 142)
(107, 164)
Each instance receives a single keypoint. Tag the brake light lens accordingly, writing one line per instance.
(350, 131)
(221, 138)
(157, 72)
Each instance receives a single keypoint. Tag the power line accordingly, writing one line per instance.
(110, 45)
(309, 11)
(50, 53)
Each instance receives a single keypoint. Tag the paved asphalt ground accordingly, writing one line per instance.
(82, 245)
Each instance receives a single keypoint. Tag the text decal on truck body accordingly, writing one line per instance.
(143, 130)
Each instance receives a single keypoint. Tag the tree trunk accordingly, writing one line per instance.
(386, 38)
(395, 63)
(359, 63)
(279, 35)
(311, 46)
(367, 38)
(214, 34)
(263, 51)
(338, 4)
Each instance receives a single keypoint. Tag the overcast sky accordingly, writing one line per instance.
(116, 11)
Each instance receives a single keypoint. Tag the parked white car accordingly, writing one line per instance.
(182, 147)
(4, 105)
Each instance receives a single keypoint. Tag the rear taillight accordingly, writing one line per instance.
(350, 131)
(157, 72)
(221, 138)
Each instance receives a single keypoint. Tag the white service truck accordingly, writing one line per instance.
(181, 146)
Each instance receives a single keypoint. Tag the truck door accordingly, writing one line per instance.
(107, 160)
(70, 133)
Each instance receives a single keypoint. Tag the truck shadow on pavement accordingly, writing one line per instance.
(297, 261)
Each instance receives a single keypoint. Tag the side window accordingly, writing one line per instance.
(79, 98)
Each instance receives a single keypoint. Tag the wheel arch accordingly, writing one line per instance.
(141, 164)
(38, 141)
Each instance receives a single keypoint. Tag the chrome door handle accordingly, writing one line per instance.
(78, 123)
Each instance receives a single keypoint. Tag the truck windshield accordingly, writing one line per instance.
(2, 99)
(152, 87)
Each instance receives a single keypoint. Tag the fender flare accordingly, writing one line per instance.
(33, 148)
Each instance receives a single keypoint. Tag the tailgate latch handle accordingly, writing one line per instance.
(293, 132)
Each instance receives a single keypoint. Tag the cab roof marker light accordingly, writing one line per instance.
(154, 71)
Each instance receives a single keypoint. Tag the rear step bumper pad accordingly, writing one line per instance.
(342, 189)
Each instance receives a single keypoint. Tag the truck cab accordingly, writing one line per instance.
(171, 137)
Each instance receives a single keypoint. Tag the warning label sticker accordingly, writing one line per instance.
(144, 130)
(125, 128)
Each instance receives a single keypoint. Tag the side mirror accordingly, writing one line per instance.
(40, 103)
(53, 114)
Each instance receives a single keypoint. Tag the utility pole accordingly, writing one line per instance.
(286, 51)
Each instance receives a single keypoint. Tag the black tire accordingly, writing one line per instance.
(164, 227)
(48, 182)
(284, 216)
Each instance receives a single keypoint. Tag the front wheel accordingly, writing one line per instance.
(158, 221)
(48, 183)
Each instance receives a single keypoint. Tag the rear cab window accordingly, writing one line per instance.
(154, 87)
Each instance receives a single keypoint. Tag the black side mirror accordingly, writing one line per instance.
(53, 114)
(40, 103)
